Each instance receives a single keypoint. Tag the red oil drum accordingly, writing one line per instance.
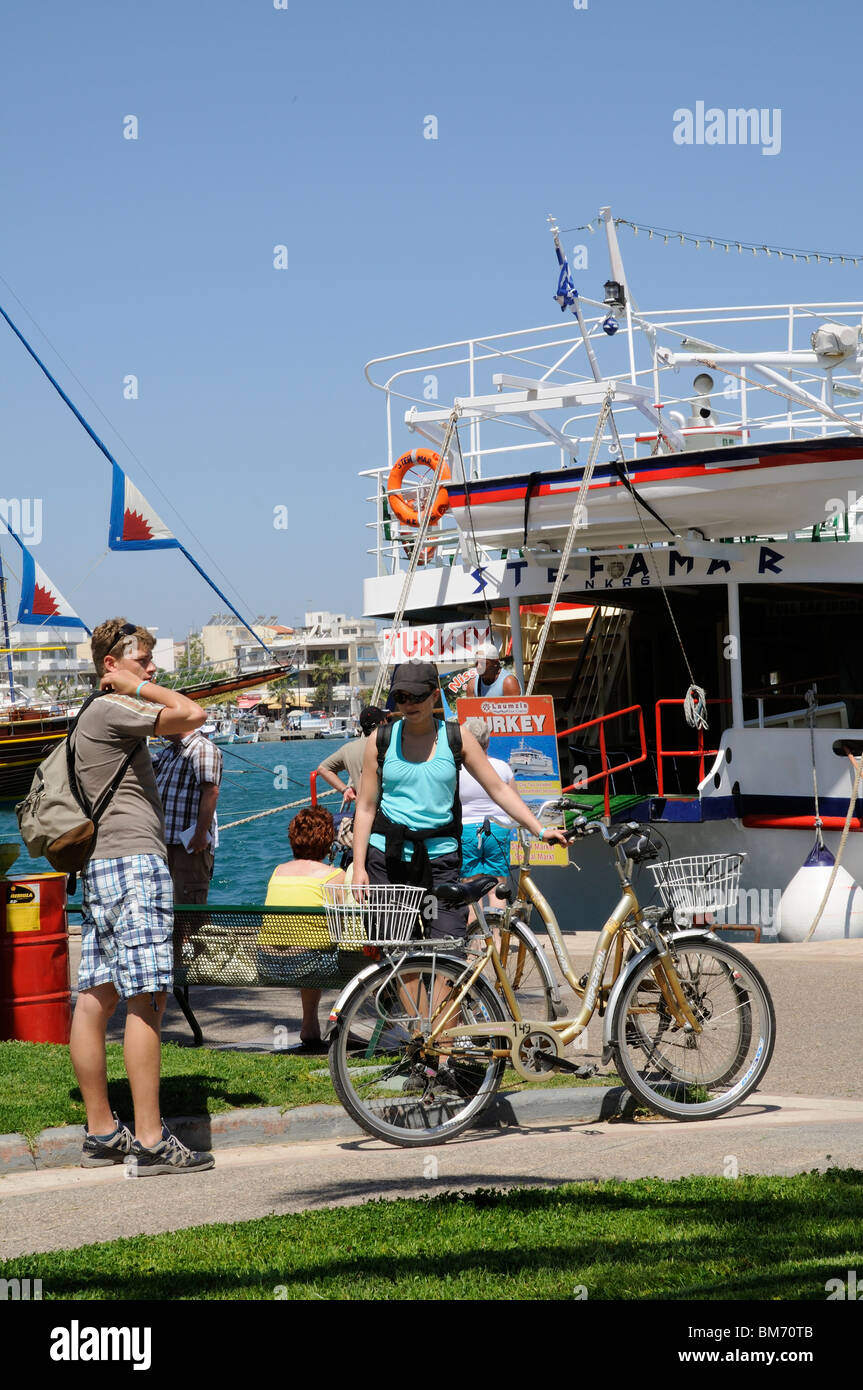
(35, 998)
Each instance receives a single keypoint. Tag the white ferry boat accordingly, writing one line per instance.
(702, 487)
(530, 762)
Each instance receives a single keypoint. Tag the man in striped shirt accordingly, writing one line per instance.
(188, 775)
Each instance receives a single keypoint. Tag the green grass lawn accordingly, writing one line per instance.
(696, 1238)
(38, 1087)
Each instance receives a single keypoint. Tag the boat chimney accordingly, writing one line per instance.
(702, 406)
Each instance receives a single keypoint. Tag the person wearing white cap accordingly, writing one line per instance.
(488, 678)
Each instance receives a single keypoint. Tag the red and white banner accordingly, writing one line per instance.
(135, 524)
(446, 644)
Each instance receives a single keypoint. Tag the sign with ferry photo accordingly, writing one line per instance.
(522, 734)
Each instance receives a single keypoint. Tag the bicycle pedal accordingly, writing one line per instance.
(563, 1064)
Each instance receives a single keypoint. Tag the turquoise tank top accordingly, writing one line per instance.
(419, 795)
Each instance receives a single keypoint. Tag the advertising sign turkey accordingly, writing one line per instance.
(522, 735)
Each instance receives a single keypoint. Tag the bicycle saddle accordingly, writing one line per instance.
(470, 890)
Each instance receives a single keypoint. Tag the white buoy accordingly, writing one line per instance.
(842, 917)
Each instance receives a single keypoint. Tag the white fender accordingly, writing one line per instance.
(841, 919)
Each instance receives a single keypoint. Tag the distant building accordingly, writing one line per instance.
(351, 642)
(223, 637)
(46, 665)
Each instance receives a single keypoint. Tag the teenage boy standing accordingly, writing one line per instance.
(127, 927)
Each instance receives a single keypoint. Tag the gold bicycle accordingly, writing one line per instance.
(422, 1037)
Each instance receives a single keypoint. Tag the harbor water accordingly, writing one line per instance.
(257, 777)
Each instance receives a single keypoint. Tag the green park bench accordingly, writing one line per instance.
(257, 947)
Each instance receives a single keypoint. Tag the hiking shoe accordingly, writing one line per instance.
(102, 1150)
(168, 1156)
(459, 1082)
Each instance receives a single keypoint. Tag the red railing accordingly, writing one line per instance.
(313, 783)
(607, 771)
(699, 752)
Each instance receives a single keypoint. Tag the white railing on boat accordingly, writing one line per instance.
(528, 400)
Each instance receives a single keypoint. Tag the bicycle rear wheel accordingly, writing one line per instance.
(394, 1089)
(681, 1073)
(524, 963)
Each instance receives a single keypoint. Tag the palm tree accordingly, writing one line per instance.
(325, 674)
(282, 688)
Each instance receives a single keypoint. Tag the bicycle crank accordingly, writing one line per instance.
(535, 1053)
(533, 1048)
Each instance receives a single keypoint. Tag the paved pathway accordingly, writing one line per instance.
(64, 1208)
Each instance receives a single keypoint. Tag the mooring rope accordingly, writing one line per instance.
(288, 806)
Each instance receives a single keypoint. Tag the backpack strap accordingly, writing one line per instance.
(77, 792)
(453, 733)
(98, 811)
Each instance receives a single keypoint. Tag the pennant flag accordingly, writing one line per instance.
(41, 601)
(134, 524)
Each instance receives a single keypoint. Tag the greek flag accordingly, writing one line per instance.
(567, 294)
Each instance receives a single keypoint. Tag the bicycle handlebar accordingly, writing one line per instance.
(582, 827)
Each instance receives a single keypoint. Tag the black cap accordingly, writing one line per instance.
(416, 678)
(371, 717)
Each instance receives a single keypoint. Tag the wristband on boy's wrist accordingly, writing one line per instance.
(140, 688)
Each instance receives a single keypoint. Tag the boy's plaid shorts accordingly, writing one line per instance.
(128, 923)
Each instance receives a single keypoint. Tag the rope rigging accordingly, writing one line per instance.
(418, 544)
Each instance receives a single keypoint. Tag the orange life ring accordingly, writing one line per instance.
(402, 509)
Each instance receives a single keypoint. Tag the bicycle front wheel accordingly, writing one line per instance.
(683, 1073)
(524, 963)
(395, 1088)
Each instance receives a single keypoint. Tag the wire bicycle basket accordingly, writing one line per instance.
(382, 914)
(699, 882)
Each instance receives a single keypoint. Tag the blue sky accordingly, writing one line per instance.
(304, 127)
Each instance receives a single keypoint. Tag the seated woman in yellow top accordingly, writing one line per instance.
(299, 882)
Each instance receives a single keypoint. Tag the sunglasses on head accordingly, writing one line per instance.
(127, 630)
(402, 697)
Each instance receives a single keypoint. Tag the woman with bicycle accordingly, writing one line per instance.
(407, 823)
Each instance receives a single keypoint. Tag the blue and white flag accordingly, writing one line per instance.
(567, 294)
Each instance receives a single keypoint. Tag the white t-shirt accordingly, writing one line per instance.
(476, 803)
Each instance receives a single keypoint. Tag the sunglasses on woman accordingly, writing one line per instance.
(401, 697)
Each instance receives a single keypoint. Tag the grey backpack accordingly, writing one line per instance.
(55, 818)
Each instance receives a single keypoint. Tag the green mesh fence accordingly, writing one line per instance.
(263, 946)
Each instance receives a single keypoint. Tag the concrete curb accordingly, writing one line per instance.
(61, 1147)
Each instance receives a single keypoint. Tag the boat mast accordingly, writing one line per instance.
(6, 641)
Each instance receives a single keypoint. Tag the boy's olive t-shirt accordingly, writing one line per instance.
(105, 735)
